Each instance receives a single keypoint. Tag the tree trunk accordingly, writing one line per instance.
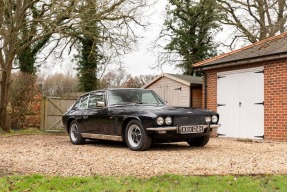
(4, 101)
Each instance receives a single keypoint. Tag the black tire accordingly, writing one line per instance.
(75, 134)
(136, 136)
(198, 141)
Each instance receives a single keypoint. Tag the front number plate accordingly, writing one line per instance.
(191, 129)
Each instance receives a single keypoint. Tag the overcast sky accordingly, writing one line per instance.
(142, 61)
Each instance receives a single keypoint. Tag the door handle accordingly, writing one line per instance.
(85, 117)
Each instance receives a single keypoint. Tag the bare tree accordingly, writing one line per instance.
(59, 84)
(12, 20)
(138, 81)
(115, 78)
(106, 25)
(121, 78)
(19, 29)
(253, 20)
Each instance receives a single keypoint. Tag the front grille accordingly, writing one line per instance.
(189, 120)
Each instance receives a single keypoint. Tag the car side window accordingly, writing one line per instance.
(148, 98)
(94, 98)
(84, 102)
(114, 99)
(76, 105)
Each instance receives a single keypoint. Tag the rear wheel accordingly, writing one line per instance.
(198, 141)
(75, 134)
(136, 136)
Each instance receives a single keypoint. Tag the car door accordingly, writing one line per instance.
(78, 111)
(97, 119)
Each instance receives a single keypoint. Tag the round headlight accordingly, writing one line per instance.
(168, 120)
(207, 119)
(159, 120)
(214, 119)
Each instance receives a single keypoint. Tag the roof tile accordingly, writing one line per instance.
(270, 46)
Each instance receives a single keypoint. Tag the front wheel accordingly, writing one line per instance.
(75, 134)
(198, 141)
(136, 136)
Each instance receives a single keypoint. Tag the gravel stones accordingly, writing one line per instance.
(55, 155)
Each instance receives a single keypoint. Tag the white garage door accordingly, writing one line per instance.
(240, 101)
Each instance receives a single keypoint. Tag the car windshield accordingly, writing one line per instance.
(133, 96)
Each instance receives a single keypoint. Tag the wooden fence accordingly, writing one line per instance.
(52, 110)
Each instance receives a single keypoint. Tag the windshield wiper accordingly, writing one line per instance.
(133, 103)
(122, 104)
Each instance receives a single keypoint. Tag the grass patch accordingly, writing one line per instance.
(27, 131)
(160, 183)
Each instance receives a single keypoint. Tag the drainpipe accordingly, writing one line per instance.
(205, 88)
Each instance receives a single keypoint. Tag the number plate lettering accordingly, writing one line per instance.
(191, 129)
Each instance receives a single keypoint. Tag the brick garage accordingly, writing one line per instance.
(266, 59)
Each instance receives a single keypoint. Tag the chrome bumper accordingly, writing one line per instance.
(215, 126)
(176, 128)
(162, 129)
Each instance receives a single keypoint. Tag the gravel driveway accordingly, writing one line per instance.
(55, 155)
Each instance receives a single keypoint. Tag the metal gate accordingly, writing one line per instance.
(52, 110)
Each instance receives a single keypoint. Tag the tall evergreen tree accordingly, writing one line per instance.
(90, 59)
(27, 57)
(190, 26)
(108, 28)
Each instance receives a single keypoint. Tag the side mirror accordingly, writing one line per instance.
(100, 104)
(165, 102)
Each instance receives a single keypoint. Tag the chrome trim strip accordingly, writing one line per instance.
(162, 129)
(215, 126)
(100, 136)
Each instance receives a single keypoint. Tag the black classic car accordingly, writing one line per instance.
(138, 117)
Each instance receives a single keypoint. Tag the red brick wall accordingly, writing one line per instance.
(211, 86)
(275, 100)
(275, 96)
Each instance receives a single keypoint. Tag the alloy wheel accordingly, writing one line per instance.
(134, 135)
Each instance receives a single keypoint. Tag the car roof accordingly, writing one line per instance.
(108, 89)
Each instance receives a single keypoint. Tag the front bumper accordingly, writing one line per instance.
(176, 128)
(215, 126)
(162, 129)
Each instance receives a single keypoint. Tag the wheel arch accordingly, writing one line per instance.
(69, 123)
(125, 123)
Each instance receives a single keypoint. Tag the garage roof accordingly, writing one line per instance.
(269, 49)
(184, 79)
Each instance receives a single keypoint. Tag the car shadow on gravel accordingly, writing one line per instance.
(177, 147)
(153, 147)
(106, 143)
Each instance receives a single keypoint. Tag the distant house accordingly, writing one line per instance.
(248, 88)
(178, 90)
